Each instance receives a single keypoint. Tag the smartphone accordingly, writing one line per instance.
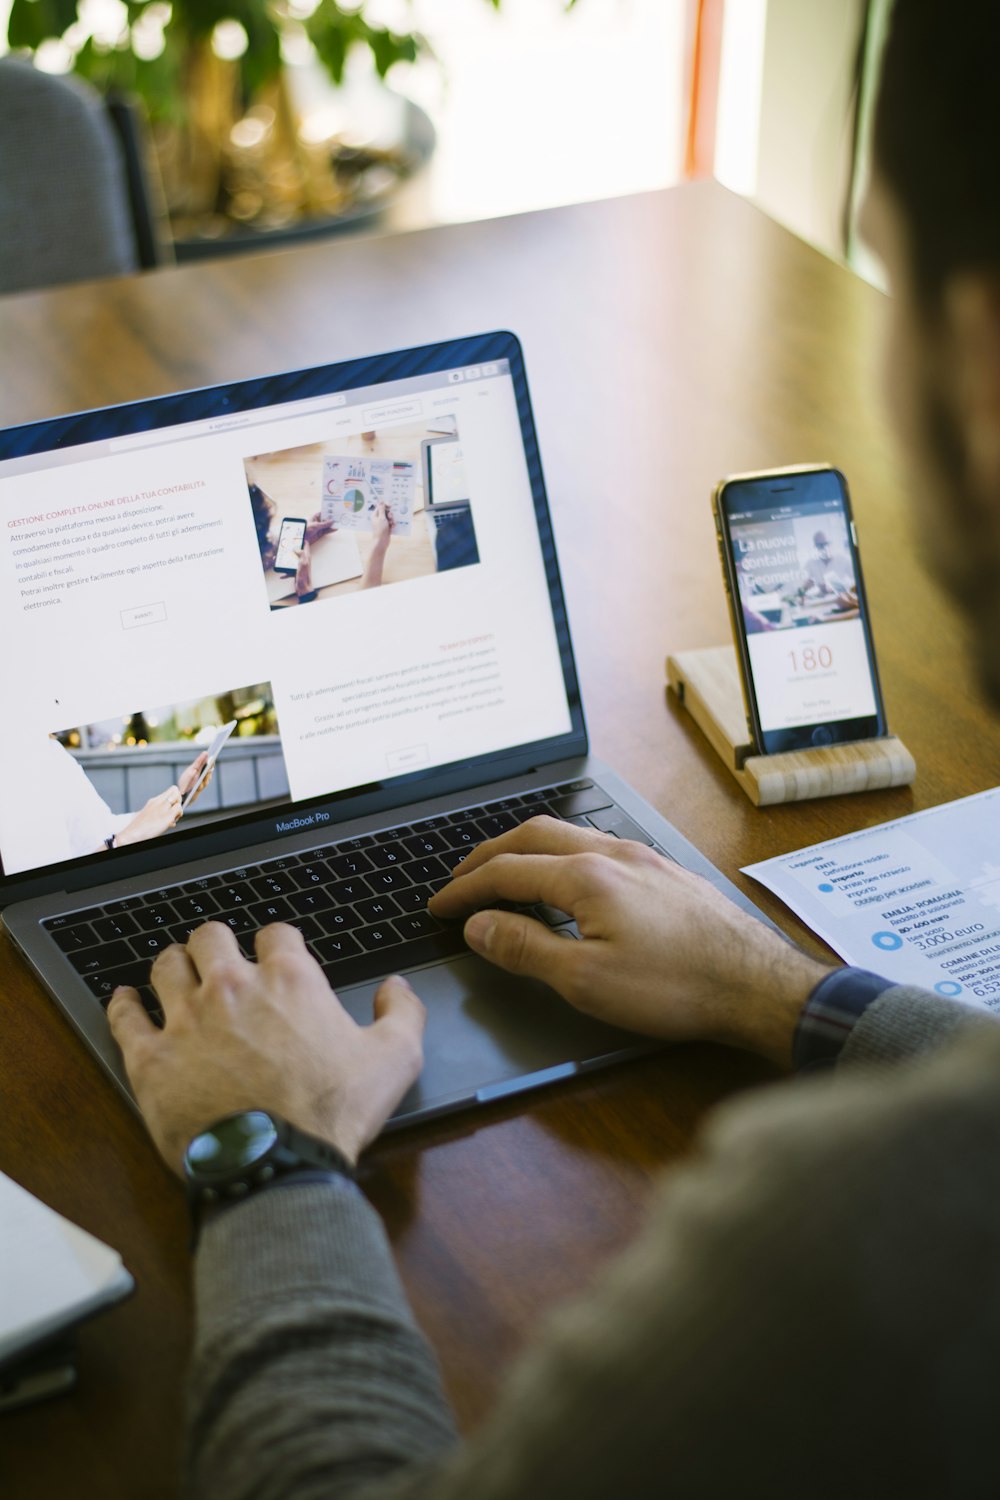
(213, 754)
(291, 539)
(789, 550)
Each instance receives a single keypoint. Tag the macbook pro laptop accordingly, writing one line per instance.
(382, 725)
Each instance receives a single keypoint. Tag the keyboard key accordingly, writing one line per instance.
(426, 824)
(314, 873)
(578, 804)
(613, 820)
(106, 956)
(56, 924)
(280, 883)
(393, 879)
(151, 917)
(414, 898)
(181, 931)
(239, 920)
(376, 938)
(340, 920)
(345, 891)
(304, 902)
(148, 944)
(462, 835)
(573, 786)
(493, 824)
(343, 865)
(104, 985)
(265, 912)
(114, 908)
(329, 950)
(72, 939)
(416, 924)
(309, 927)
(377, 909)
(384, 855)
(381, 961)
(108, 928)
(432, 868)
(201, 905)
(229, 896)
(425, 843)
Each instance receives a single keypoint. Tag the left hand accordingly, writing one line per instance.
(316, 527)
(270, 1035)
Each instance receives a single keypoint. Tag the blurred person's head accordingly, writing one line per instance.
(264, 509)
(933, 216)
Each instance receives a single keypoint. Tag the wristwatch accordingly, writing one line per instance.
(244, 1152)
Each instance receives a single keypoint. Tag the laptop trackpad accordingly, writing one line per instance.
(487, 1029)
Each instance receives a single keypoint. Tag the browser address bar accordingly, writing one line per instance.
(208, 426)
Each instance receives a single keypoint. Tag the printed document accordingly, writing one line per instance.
(916, 900)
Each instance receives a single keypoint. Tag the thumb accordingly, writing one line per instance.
(130, 1026)
(397, 1008)
(519, 944)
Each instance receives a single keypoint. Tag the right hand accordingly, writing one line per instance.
(381, 527)
(661, 951)
(160, 813)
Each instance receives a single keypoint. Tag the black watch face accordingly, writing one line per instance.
(232, 1145)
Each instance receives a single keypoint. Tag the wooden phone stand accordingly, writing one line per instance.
(708, 684)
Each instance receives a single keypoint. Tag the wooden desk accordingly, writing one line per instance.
(670, 338)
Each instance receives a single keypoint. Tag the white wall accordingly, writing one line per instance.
(805, 128)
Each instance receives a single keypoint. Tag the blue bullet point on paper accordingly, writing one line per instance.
(948, 987)
(888, 941)
(825, 886)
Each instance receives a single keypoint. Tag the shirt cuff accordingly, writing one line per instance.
(831, 1013)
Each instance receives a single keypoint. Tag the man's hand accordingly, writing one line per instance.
(270, 1035)
(661, 951)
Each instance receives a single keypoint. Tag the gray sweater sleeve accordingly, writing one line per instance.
(905, 1022)
(310, 1377)
(792, 1321)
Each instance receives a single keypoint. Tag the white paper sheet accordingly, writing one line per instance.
(916, 900)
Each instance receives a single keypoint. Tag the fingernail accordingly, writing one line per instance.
(479, 931)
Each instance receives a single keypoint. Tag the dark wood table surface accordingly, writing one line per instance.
(670, 338)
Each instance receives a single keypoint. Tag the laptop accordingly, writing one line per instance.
(378, 726)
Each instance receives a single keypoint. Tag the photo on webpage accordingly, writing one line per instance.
(357, 512)
(793, 572)
(146, 772)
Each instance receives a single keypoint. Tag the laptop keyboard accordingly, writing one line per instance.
(361, 903)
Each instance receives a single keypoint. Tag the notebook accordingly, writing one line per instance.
(54, 1276)
(385, 721)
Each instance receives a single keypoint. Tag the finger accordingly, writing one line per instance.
(172, 972)
(279, 939)
(213, 946)
(130, 1026)
(400, 1019)
(398, 1004)
(541, 835)
(522, 945)
(560, 880)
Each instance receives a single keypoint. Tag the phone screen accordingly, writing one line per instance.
(290, 540)
(799, 612)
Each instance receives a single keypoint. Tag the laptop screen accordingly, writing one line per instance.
(238, 605)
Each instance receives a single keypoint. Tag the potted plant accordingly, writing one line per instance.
(214, 78)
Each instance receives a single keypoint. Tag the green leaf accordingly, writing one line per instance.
(35, 21)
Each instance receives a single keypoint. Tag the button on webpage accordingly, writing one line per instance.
(406, 758)
(143, 614)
